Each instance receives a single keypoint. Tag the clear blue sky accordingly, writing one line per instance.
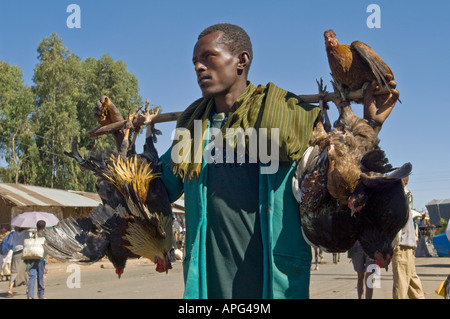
(156, 38)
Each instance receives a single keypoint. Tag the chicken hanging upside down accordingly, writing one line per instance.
(135, 219)
(346, 188)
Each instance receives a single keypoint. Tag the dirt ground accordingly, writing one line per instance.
(141, 281)
(99, 281)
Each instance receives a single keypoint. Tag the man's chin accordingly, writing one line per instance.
(207, 94)
(207, 91)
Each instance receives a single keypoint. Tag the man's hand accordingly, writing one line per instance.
(106, 112)
(378, 107)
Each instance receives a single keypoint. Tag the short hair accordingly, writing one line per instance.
(40, 224)
(234, 37)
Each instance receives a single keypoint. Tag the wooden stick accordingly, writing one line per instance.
(352, 96)
(138, 121)
(173, 116)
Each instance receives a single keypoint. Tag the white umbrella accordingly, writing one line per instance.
(415, 213)
(29, 219)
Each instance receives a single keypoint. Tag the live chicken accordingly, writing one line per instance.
(356, 64)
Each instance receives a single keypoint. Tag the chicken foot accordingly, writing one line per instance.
(323, 105)
(340, 96)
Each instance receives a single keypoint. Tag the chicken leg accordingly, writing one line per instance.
(323, 105)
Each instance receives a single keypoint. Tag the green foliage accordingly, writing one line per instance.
(38, 123)
(16, 129)
(442, 226)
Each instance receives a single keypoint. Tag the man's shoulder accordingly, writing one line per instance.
(189, 111)
(193, 105)
(286, 95)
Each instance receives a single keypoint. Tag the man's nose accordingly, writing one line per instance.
(199, 67)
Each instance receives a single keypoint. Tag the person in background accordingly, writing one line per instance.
(6, 255)
(37, 268)
(447, 231)
(422, 223)
(361, 265)
(406, 281)
(19, 274)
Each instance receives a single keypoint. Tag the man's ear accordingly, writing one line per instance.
(244, 59)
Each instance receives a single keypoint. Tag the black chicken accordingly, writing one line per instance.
(347, 190)
(134, 220)
(383, 213)
(325, 223)
(86, 240)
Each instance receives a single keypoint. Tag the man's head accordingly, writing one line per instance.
(222, 58)
(234, 37)
(40, 225)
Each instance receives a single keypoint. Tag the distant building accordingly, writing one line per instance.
(19, 198)
(437, 209)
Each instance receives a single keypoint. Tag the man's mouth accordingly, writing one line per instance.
(201, 79)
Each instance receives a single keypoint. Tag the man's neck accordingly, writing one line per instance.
(225, 103)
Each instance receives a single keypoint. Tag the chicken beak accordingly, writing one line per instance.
(168, 264)
(119, 272)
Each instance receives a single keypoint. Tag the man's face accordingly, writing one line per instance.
(216, 67)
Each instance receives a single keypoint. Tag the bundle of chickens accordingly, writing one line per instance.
(346, 188)
(135, 217)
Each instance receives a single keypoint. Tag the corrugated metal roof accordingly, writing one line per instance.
(439, 202)
(28, 195)
(178, 206)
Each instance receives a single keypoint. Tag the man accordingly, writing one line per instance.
(19, 275)
(406, 281)
(37, 268)
(243, 235)
(364, 266)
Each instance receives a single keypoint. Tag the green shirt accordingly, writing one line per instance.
(286, 255)
(233, 235)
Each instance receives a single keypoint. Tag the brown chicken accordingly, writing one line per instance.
(356, 64)
(349, 141)
(347, 191)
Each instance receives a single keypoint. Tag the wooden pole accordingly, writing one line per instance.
(137, 122)
(144, 119)
(352, 96)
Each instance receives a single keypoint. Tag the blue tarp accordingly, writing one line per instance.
(442, 245)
